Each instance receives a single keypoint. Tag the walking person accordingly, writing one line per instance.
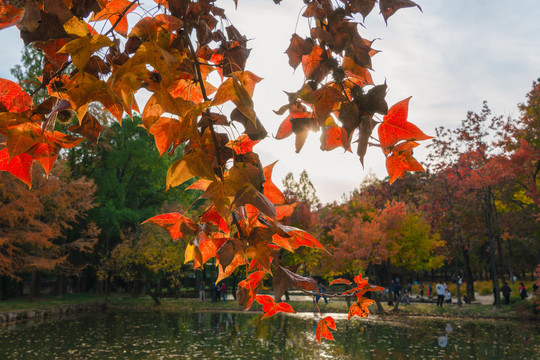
(421, 288)
(506, 293)
(440, 294)
(430, 290)
(397, 289)
(522, 291)
(201, 291)
(223, 291)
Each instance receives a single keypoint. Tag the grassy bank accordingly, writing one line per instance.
(517, 310)
(48, 302)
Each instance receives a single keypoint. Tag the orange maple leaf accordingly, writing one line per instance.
(115, 12)
(396, 128)
(247, 289)
(20, 166)
(401, 160)
(176, 224)
(270, 308)
(323, 328)
(360, 307)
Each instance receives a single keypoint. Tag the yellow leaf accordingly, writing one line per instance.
(193, 164)
(76, 27)
(81, 49)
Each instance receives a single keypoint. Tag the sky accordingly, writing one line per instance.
(449, 58)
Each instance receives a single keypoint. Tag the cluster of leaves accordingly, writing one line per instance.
(171, 55)
(345, 105)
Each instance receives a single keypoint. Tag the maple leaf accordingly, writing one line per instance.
(84, 88)
(9, 14)
(178, 225)
(193, 253)
(242, 145)
(325, 99)
(333, 137)
(148, 28)
(211, 215)
(82, 48)
(270, 308)
(20, 166)
(284, 211)
(323, 329)
(360, 75)
(89, 127)
(298, 48)
(166, 133)
(314, 64)
(254, 130)
(224, 273)
(301, 128)
(247, 289)
(20, 138)
(389, 7)
(209, 245)
(284, 278)
(271, 191)
(360, 307)
(291, 237)
(115, 12)
(401, 160)
(285, 128)
(364, 7)
(228, 251)
(13, 98)
(193, 163)
(396, 128)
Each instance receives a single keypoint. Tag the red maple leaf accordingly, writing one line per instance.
(396, 128)
(270, 308)
(323, 328)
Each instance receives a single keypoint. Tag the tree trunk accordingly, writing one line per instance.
(469, 280)
(32, 293)
(153, 294)
(235, 280)
(491, 236)
(60, 278)
(159, 286)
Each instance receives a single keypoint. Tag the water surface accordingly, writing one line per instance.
(207, 335)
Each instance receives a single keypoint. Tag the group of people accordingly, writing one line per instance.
(443, 293)
(505, 290)
(219, 291)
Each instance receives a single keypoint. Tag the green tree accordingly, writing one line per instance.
(29, 71)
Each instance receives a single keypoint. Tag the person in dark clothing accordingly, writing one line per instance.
(522, 291)
(397, 289)
(506, 293)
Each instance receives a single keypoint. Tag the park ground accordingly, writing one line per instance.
(481, 309)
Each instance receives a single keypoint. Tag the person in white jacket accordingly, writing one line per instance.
(440, 294)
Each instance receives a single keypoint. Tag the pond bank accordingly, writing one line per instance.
(48, 312)
(22, 310)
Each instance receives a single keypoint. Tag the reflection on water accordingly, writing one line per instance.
(209, 335)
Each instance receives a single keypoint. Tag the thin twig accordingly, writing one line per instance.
(121, 17)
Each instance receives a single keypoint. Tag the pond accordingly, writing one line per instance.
(207, 335)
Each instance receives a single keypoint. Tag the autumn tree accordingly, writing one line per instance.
(146, 256)
(170, 52)
(36, 224)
